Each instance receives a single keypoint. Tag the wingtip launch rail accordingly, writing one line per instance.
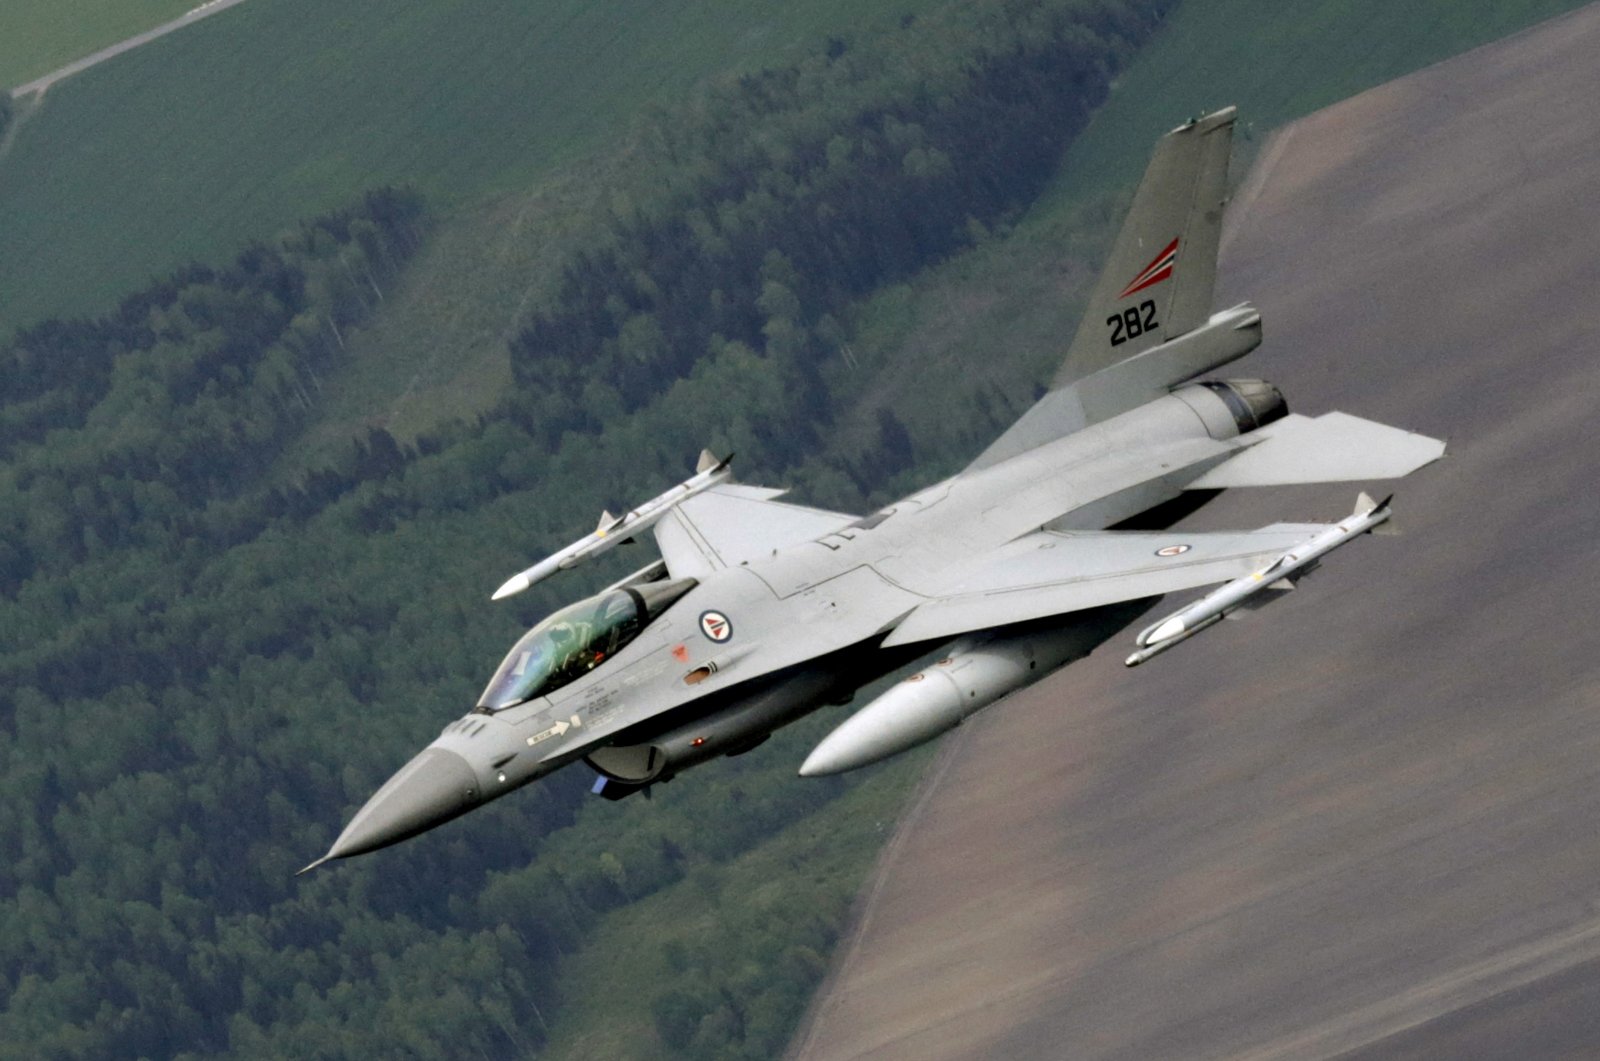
(613, 530)
(1259, 586)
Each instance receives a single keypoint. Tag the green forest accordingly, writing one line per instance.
(217, 640)
(210, 663)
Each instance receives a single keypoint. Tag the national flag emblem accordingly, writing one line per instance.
(716, 626)
(1155, 272)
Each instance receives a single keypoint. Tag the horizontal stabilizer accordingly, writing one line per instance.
(1331, 448)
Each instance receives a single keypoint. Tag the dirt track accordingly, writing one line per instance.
(40, 85)
(1368, 819)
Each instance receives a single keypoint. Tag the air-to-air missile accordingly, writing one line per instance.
(1259, 586)
(614, 530)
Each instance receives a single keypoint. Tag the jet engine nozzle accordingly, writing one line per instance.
(1253, 402)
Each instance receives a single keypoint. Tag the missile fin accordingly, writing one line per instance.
(1364, 505)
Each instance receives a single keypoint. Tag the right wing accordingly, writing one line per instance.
(729, 524)
(1055, 572)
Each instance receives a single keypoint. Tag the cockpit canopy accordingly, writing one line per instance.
(570, 643)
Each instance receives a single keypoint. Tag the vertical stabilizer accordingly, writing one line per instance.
(1158, 281)
(1149, 325)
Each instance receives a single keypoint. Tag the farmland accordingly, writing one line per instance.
(37, 36)
(244, 124)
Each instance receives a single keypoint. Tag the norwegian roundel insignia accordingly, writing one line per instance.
(1173, 550)
(716, 626)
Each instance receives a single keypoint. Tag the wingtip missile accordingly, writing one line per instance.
(616, 530)
(511, 586)
(1254, 588)
(710, 462)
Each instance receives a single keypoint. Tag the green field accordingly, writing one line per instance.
(38, 36)
(279, 109)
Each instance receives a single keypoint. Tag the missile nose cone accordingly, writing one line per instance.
(513, 585)
(429, 790)
(1169, 628)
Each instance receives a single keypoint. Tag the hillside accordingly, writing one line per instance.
(37, 36)
(227, 623)
(1359, 825)
(1276, 62)
(245, 655)
(1011, 303)
(440, 350)
(281, 109)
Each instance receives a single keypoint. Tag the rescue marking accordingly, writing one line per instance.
(716, 627)
(554, 731)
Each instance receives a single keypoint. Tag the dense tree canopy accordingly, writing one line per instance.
(207, 661)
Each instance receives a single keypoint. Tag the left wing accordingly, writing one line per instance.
(730, 523)
(1054, 572)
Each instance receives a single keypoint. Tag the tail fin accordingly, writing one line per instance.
(1158, 282)
(1153, 298)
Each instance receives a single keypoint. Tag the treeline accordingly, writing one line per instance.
(116, 428)
(204, 669)
(792, 192)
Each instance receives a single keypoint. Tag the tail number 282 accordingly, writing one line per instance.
(1132, 322)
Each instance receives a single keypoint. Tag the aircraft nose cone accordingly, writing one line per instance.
(429, 790)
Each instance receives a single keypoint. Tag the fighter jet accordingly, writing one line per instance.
(760, 611)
